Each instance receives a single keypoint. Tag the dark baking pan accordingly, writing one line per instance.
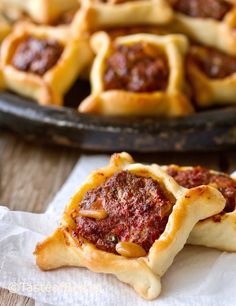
(209, 130)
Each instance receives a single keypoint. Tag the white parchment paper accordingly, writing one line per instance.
(199, 276)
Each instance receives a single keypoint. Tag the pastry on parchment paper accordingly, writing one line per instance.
(217, 231)
(129, 220)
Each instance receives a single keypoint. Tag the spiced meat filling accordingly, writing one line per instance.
(140, 67)
(215, 9)
(215, 64)
(197, 176)
(137, 212)
(36, 55)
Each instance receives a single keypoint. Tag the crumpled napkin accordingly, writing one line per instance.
(198, 276)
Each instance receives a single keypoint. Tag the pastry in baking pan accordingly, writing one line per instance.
(115, 13)
(210, 22)
(43, 62)
(212, 76)
(140, 74)
(42, 11)
(218, 231)
(129, 220)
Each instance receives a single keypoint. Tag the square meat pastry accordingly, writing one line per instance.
(116, 13)
(42, 62)
(129, 220)
(42, 11)
(210, 22)
(140, 74)
(212, 76)
(219, 230)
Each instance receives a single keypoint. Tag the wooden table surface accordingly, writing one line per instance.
(31, 174)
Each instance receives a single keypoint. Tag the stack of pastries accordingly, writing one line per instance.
(142, 57)
(131, 220)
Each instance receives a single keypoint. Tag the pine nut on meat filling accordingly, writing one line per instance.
(137, 210)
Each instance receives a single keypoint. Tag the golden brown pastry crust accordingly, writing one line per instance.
(143, 273)
(220, 234)
(207, 31)
(5, 28)
(42, 11)
(49, 88)
(171, 102)
(100, 15)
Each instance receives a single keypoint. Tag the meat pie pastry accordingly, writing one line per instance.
(116, 13)
(43, 62)
(210, 22)
(218, 231)
(42, 11)
(212, 75)
(138, 74)
(129, 220)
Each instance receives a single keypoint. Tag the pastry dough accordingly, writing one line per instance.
(50, 86)
(208, 31)
(207, 90)
(43, 11)
(218, 231)
(169, 102)
(107, 14)
(64, 248)
(5, 28)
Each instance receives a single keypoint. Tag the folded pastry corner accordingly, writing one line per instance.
(36, 59)
(210, 22)
(218, 231)
(42, 11)
(129, 220)
(140, 74)
(116, 13)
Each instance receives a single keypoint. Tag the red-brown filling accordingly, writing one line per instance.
(197, 176)
(137, 68)
(215, 64)
(137, 208)
(37, 55)
(215, 9)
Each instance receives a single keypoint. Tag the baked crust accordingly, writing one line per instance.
(49, 88)
(100, 15)
(208, 91)
(208, 31)
(220, 233)
(171, 102)
(5, 28)
(43, 11)
(143, 273)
